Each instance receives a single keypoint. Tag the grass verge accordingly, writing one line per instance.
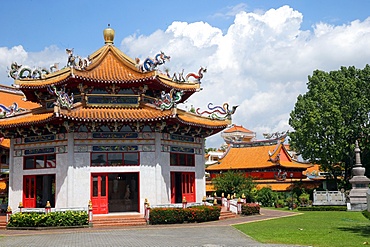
(319, 229)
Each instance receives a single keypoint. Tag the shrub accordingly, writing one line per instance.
(266, 196)
(250, 208)
(202, 213)
(166, 216)
(179, 215)
(366, 214)
(279, 203)
(304, 198)
(68, 218)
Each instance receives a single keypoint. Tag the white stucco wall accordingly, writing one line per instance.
(73, 170)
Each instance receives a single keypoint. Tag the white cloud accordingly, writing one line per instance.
(18, 54)
(260, 62)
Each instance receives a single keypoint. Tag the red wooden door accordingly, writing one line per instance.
(187, 186)
(182, 185)
(29, 191)
(99, 193)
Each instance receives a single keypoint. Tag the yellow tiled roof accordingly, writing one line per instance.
(276, 186)
(5, 143)
(141, 113)
(108, 65)
(117, 114)
(255, 157)
(9, 95)
(237, 128)
(198, 120)
(210, 187)
(26, 119)
(55, 78)
(244, 158)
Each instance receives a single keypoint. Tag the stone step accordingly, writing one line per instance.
(2, 222)
(227, 215)
(124, 220)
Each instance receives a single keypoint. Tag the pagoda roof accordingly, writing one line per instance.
(256, 156)
(143, 113)
(10, 95)
(108, 66)
(237, 128)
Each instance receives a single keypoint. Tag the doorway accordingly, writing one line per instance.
(182, 186)
(123, 192)
(38, 190)
(115, 192)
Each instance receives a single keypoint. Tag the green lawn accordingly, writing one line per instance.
(316, 229)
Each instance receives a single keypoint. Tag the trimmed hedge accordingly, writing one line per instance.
(250, 208)
(180, 215)
(323, 208)
(366, 214)
(68, 218)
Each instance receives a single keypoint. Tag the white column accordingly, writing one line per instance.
(72, 184)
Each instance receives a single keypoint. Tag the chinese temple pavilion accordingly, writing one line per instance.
(268, 162)
(107, 129)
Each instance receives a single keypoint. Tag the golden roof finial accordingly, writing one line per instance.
(108, 35)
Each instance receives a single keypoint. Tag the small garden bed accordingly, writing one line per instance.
(250, 209)
(37, 221)
(181, 215)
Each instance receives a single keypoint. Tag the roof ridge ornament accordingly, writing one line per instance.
(77, 62)
(276, 135)
(10, 111)
(218, 112)
(168, 100)
(151, 64)
(198, 76)
(63, 100)
(18, 71)
(108, 34)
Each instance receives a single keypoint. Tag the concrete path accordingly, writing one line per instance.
(208, 234)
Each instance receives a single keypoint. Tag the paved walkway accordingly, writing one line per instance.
(208, 234)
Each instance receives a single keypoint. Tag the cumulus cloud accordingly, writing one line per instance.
(260, 62)
(18, 54)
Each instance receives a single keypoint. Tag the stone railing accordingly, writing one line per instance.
(329, 198)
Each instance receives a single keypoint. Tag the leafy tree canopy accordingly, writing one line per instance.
(232, 182)
(331, 116)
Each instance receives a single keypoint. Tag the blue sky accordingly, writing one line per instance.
(258, 53)
(72, 23)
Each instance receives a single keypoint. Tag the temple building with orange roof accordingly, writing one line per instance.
(268, 161)
(12, 102)
(107, 129)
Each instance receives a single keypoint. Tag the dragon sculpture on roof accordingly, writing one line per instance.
(151, 64)
(218, 112)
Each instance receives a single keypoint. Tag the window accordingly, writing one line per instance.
(181, 159)
(39, 161)
(115, 159)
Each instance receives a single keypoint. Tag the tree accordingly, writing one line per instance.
(330, 117)
(266, 196)
(231, 183)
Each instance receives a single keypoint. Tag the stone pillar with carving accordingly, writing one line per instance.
(360, 184)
